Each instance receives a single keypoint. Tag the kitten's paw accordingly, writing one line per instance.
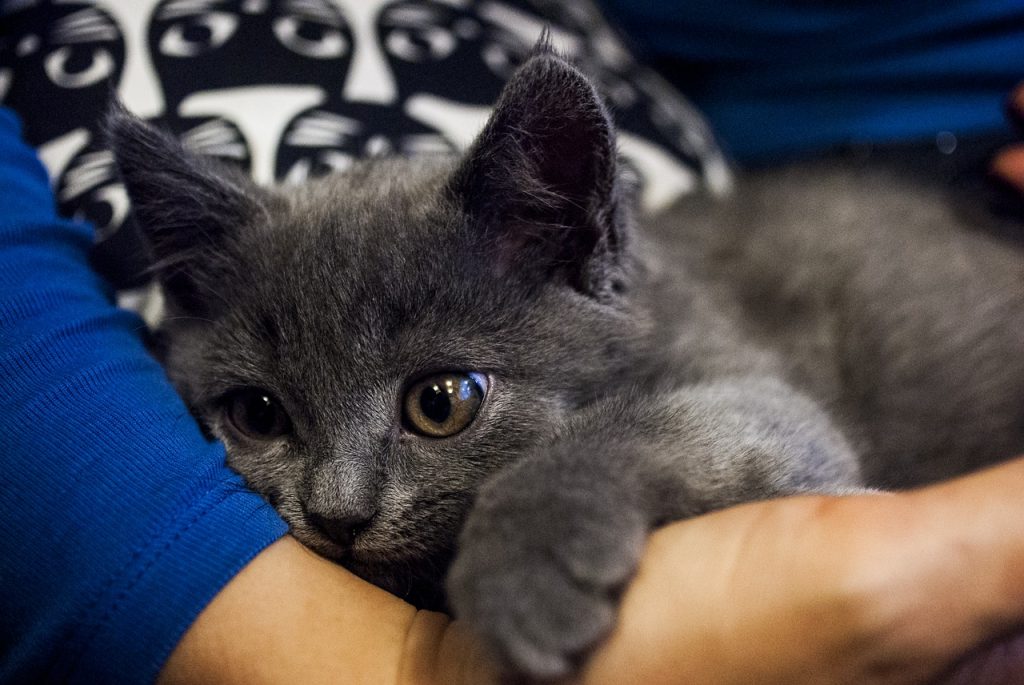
(538, 577)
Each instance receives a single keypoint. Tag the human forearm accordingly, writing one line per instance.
(291, 616)
(120, 521)
(865, 589)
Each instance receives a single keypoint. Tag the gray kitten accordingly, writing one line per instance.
(480, 369)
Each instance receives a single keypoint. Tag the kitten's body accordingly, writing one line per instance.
(878, 292)
(826, 329)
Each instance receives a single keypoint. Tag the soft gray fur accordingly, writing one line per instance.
(826, 330)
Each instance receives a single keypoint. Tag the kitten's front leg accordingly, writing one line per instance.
(553, 539)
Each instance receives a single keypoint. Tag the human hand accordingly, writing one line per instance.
(863, 589)
(1008, 165)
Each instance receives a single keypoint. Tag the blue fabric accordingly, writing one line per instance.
(778, 77)
(119, 520)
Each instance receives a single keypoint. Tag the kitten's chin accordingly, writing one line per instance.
(421, 590)
(327, 549)
(417, 581)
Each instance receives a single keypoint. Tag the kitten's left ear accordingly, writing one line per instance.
(189, 209)
(541, 180)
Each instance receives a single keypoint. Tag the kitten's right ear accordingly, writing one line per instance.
(188, 208)
(540, 182)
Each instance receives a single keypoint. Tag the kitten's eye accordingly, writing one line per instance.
(256, 414)
(443, 405)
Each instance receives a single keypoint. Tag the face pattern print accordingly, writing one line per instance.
(288, 89)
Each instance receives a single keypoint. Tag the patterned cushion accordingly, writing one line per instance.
(289, 88)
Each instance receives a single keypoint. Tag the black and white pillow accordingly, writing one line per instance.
(290, 88)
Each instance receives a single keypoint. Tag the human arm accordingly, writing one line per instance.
(862, 589)
(1008, 165)
(291, 616)
(120, 520)
(873, 589)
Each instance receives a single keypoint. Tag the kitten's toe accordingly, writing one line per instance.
(525, 657)
(573, 621)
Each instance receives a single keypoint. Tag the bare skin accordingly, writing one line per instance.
(291, 616)
(885, 589)
(1008, 166)
(881, 589)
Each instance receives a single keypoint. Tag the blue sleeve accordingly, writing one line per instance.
(120, 521)
(778, 78)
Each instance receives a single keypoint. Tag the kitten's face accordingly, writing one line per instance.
(339, 302)
(372, 346)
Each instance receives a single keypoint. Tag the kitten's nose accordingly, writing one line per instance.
(341, 529)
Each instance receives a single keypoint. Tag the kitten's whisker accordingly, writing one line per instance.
(187, 318)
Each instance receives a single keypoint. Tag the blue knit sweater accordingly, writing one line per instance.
(118, 520)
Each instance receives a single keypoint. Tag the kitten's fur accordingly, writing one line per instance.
(827, 329)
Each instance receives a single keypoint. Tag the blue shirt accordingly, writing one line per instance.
(120, 521)
(777, 77)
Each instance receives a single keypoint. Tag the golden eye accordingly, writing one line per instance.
(442, 405)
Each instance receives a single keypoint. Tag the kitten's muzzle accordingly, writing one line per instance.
(342, 530)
